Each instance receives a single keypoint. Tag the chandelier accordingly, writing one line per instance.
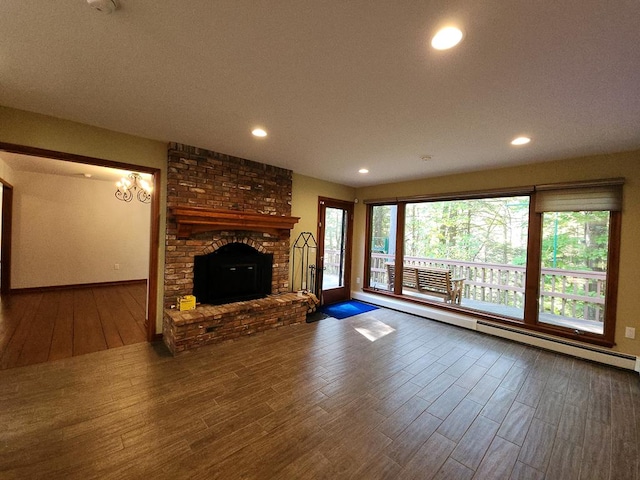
(133, 186)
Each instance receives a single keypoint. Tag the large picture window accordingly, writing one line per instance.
(481, 242)
(485, 254)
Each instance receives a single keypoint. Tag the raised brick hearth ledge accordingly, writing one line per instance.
(214, 323)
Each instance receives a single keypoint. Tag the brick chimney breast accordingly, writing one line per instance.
(202, 178)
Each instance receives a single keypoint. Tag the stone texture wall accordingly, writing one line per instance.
(198, 177)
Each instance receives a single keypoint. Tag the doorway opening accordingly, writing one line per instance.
(147, 297)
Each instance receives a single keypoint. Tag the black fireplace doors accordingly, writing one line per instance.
(233, 273)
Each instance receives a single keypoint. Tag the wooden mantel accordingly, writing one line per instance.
(192, 220)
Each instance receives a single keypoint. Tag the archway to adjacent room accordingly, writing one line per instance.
(149, 294)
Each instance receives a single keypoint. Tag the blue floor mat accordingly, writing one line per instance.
(346, 309)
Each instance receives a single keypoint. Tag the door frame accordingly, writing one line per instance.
(154, 236)
(5, 238)
(344, 292)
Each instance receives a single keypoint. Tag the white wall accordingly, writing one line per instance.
(69, 231)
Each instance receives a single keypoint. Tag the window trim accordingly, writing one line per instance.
(534, 245)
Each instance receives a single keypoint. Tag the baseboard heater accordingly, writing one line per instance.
(616, 359)
(536, 339)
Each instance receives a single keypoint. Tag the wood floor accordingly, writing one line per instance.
(56, 324)
(423, 400)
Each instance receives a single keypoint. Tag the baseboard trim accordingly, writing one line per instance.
(75, 286)
(528, 337)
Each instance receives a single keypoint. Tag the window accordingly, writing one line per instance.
(482, 242)
(335, 228)
(544, 257)
(580, 236)
(573, 274)
(382, 245)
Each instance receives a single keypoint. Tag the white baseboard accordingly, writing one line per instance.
(527, 337)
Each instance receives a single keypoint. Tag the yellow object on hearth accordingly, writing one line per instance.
(187, 302)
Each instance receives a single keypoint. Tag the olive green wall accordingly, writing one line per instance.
(304, 203)
(6, 173)
(625, 165)
(41, 131)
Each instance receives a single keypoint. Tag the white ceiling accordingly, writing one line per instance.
(339, 85)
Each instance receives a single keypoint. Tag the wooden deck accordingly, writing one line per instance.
(518, 313)
(55, 324)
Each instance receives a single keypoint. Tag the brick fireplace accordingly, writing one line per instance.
(213, 201)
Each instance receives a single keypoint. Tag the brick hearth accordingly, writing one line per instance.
(201, 178)
(214, 323)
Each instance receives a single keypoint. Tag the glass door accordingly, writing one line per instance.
(335, 227)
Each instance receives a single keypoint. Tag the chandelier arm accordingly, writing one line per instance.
(143, 196)
(125, 196)
(133, 188)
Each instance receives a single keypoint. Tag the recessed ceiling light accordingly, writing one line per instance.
(259, 132)
(363, 170)
(520, 141)
(446, 38)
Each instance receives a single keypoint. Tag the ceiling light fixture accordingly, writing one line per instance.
(518, 141)
(133, 186)
(259, 132)
(104, 6)
(363, 170)
(446, 38)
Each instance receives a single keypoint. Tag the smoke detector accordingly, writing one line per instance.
(104, 6)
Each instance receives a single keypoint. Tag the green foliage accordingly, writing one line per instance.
(381, 228)
(494, 230)
(484, 230)
(575, 240)
(335, 225)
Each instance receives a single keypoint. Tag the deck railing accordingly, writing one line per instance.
(567, 293)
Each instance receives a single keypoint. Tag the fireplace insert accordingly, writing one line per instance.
(233, 273)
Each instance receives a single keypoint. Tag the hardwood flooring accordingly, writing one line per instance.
(424, 400)
(55, 324)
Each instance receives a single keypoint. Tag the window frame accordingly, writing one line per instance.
(533, 264)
